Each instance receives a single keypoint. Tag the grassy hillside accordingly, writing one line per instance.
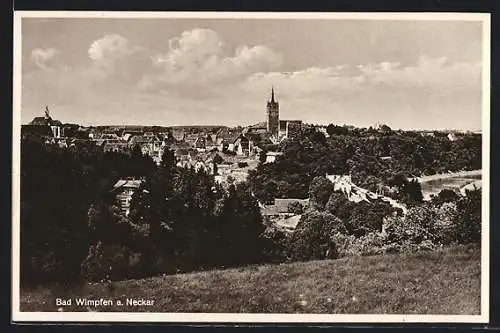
(443, 282)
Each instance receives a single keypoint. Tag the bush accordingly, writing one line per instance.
(468, 222)
(313, 237)
(295, 208)
(110, 262)
(277, 244)
(242, 164)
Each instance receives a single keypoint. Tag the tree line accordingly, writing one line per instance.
(72, 228)
(372, 160)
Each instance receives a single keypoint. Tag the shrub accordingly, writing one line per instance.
(373, 243)
(447, 216)
(468, 222)
(447, 195)
(295, 208)
(277, 244)
(312, 238)
(242, 164)
(110, 262)
(416, 230)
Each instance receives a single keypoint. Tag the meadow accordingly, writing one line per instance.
(421, 283)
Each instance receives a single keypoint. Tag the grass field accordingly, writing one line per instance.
(442, 282)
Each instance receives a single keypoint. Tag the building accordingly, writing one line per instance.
(452, 137)
(273, 115)
(200, 143)
(289, 128)
(271, 156)
(152, 146)
(178, 133)
(277, 128)
(242, 145)
(124, 189)
(117, 146)
(45, 126)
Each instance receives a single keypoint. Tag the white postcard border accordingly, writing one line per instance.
(18, 316)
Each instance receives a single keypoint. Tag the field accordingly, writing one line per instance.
(441, 282)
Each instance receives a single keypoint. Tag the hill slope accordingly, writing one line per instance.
(443, 282)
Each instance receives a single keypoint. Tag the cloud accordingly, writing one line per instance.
(430, 74)
(44, 58)
(436, 74)
(200, 58)
(110, 47)
(113, 56)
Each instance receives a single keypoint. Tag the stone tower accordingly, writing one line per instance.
(273, 115)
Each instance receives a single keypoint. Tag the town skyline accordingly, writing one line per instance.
(218, 72)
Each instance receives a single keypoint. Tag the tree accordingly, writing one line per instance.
(243, 226)
(295, 208)
(313, 236)
(445, 195)
(412, 192)
(319, 191)
(468, 224)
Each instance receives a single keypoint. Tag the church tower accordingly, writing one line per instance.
(273, 115)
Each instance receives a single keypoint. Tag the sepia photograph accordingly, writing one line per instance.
(251, 167)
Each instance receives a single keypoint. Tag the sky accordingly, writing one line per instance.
(165, 71)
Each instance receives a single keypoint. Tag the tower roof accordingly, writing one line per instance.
(272, 101)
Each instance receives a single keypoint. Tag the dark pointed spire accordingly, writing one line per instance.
(272, 94)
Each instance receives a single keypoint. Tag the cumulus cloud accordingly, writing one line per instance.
(200, 57)
(44, 58)
(110, 47)
(428, 73)
(113, 56)
(435, 74)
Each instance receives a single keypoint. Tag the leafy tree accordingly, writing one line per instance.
(243, 226)
(313, 236)
(468, 224)
(319, 192)
(296, 207)
(445, 195)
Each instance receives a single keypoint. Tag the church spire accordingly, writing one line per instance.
(272, 94)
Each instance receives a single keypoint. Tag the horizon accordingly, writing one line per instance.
(247, 125)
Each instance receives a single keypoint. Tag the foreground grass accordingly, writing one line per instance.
(442, 282)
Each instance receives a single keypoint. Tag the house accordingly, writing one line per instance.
(280, 207)
(151, 146)
(178, 134)
(323, 130)
(109, 136)
(221, 135)
(200, 143)
(116, 145)
(452, 137)
(228, 142)
(127, 134)
(124, 189)
(271, 156)
(191, 139)
(242, 145)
